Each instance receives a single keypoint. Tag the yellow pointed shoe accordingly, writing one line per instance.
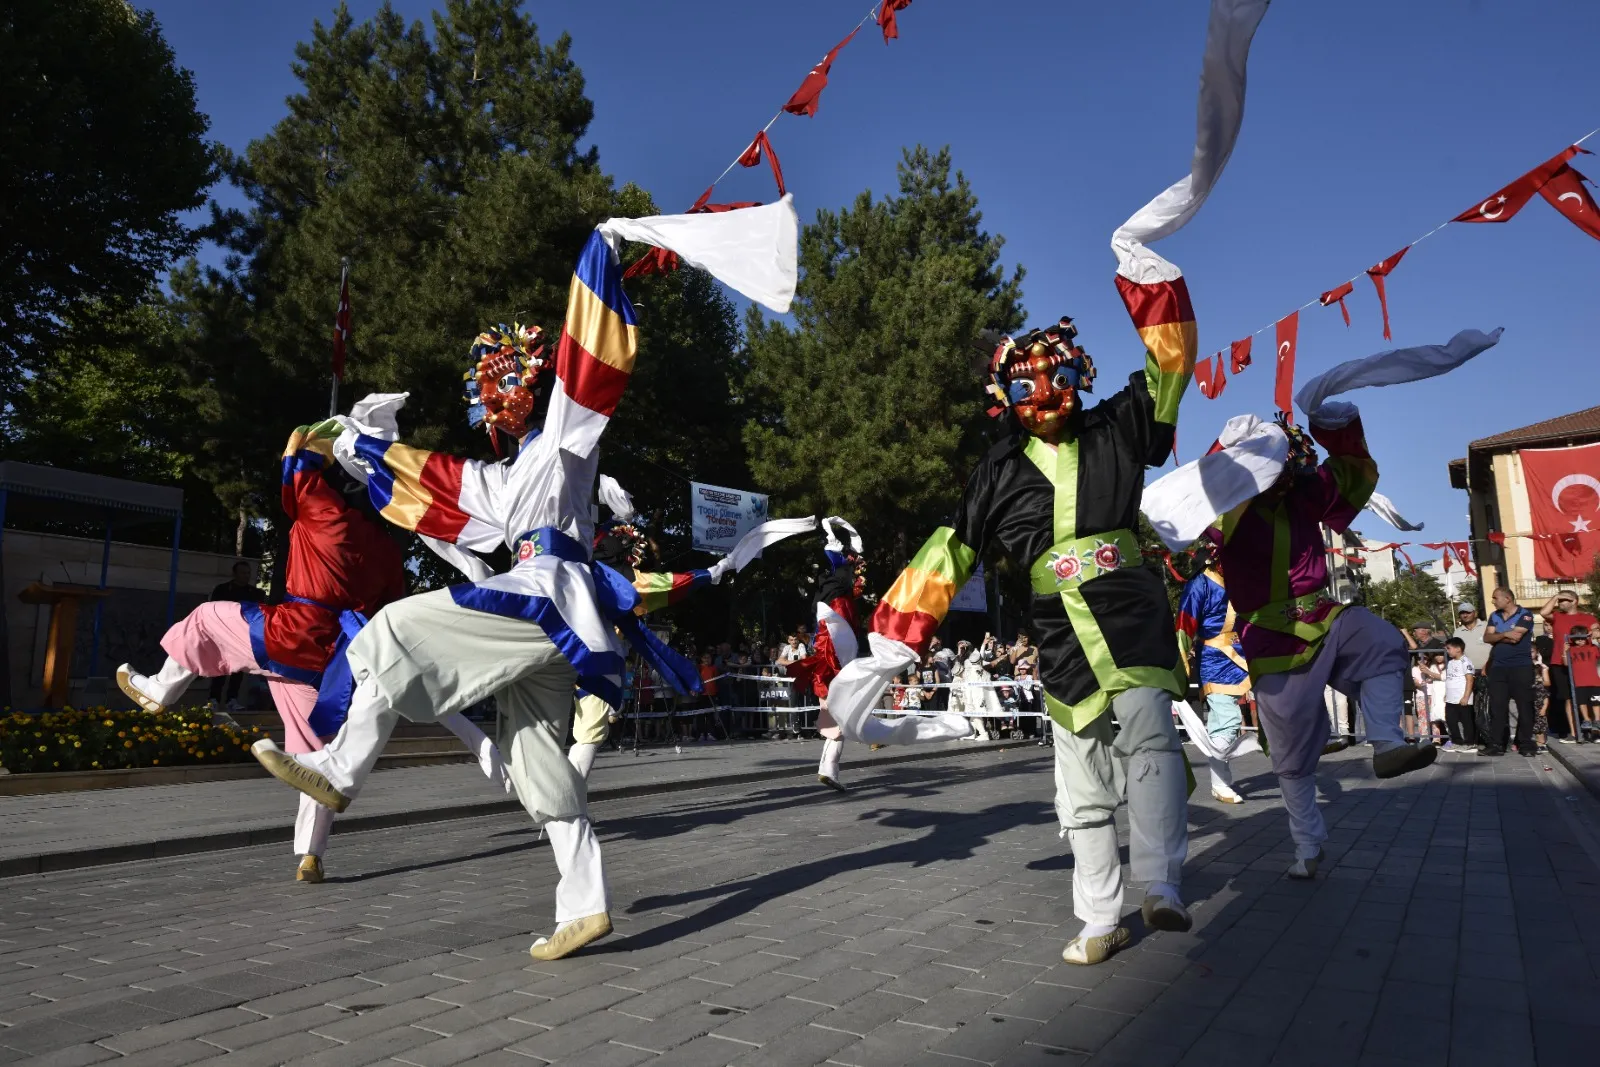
(1088, 951)
(143, 702)
(288, 770)
(310, 870)
(571, 937)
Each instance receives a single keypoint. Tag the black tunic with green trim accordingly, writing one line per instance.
(1068, 512)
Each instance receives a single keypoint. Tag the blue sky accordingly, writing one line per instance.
(1367, 123)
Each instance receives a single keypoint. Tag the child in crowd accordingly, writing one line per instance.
(1460, 725)
(1583, 667)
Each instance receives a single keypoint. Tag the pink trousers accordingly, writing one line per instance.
(214, 640)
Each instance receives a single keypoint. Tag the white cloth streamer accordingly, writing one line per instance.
(613, 496)
(1394, 367)
(1242, 743)
(1182, 504)
(860, 684)
(1219, 115)
(1384, 508)
(758, 540)
(375, 415)
(753, 250)
(834, 543)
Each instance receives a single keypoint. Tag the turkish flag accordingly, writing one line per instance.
(341, 325)
(1212, 378)
(1503, 205)
(1378, 272)
(1288, 339)
(1564, 500)
(1566, 194)
(1239, 352)
(805, 99)
(1337, 295)
(886, 17)
(752, 157)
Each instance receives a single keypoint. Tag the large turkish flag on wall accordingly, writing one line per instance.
(1564, 499)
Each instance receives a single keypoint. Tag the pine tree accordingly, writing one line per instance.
(871, 407)
(101, 150)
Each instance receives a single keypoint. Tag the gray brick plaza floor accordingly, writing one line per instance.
(919, 919)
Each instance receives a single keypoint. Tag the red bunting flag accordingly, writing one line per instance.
(341, 324)
(1212, 379)
(1288, 339)
(804, 100)
(1378, 272)
(1566, 194)
(1497, 538)
(1504, 205)
(704, 204)
(1337, 296)
(886, 17)
(655, 261)
(1240, 353)
(752, 157)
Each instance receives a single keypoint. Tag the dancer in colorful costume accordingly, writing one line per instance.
(529, 636)
(1206, 616)
(837, 594)
(1273, 498)
(343, 567)
(621, 545)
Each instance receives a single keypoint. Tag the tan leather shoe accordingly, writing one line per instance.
(1088, 951)
(310, 870)
(288, 770)
(831, 783)
(571, 937)
(125, 678)
(1162, 913)
(1226, 798)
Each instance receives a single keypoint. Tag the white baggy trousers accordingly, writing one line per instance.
(1094, 768)
(426, 657)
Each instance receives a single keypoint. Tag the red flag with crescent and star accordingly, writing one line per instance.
(1239, 355)
(1504, 204)
(1378, 272)
(341, 325)
(1564, 502)
(806, 98)
(1288, 340)
(1566, 193)
(1210, 376)
(1336, 296)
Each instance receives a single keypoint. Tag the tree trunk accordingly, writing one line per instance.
(238, 537)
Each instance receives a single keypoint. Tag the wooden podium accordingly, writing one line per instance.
(63, 601)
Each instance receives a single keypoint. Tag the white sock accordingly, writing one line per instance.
(1095, 930)
(167, 684)
(581, 756)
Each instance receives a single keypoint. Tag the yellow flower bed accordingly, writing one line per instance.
(97, 739)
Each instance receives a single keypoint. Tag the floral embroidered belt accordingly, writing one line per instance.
(1307, 616)
(1070, 563)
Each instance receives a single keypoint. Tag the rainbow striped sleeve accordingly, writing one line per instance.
(433, 493)
(657, 591)
(594, 358)
(1349, 473)
(920, 598)
(1162, 314)
(309, 450)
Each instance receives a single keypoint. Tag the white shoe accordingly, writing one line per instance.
(133, 687)
(1303, 870)
(1226, 796)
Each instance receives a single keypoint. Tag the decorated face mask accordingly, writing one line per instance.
(502, 382)
(1039, 376)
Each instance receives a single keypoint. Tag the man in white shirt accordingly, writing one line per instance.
(792, 652)
(1459, 681)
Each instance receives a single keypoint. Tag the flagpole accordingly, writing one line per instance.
(344, 280)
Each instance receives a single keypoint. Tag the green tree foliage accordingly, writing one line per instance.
(101, 150)
(447, 168)
(113, 400)
(869, 406)
(1412, 596)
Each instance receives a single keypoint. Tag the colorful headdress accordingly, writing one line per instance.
(1053, 342)
(619, 542)
(501, 382)
(1302, 457)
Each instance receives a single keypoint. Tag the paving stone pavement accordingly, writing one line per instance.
(66, 829)
(917, 920)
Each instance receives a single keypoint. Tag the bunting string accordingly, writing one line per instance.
(1555, 179)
